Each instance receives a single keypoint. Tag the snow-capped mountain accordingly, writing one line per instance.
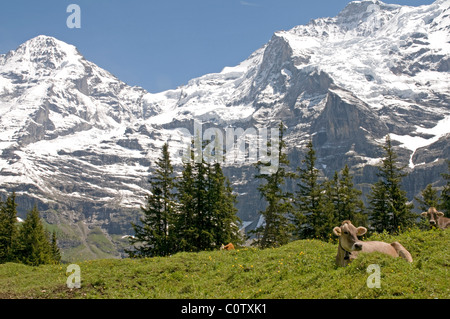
(81, 142)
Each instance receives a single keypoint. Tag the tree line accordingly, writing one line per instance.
(196, 211)
(25, 242)
(319, 204)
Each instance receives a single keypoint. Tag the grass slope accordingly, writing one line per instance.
(301, 269)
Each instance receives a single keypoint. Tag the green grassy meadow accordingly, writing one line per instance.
(300, 270)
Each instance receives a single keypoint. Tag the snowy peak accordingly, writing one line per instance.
(358, 11)
(40, 56)
(365, 18)
(375, 18)
(48, 90)
(439, 19)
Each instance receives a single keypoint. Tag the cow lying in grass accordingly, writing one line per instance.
(230, 246)
(436, 218)
(350, 245)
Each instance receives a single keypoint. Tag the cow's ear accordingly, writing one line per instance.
(337, 231)
(440, 214)
(361, 231)
(424, 214)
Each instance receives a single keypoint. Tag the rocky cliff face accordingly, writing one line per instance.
(81, 143)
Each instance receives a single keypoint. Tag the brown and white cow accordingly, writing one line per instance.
(350, 246)
(230, 246)
(436, 218)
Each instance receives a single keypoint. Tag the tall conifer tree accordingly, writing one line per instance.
(309, 197)
(207, 216)
(155, 235)
(429, 198)
(186, 211)
(222, 206)
(390, 210)
(277, 229)
(8, 228)
(34, 247)
(330, 201)
(349, 205)
(55, 251)
(445, 195)
(341, 202)
(203, 220)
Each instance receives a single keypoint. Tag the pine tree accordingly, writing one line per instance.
(164, 181)
(349, 205)
(221, 201)
(8, 228)
(155, 236)
(390, 210)
(380, 207)
(3, 239)
(203, 215)
(216, 220)
(277, 230)
(34, 247)
(185, 228)
(429, 198)
(330, 201)
(309, 198)
(341, 201)
(207, 216)
(445, 195)
(55, 252)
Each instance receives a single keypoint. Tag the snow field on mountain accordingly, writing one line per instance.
(415, 142)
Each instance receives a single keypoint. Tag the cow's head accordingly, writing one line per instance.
(432, 215)
(348, 236)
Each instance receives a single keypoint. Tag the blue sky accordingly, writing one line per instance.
(160, 45)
